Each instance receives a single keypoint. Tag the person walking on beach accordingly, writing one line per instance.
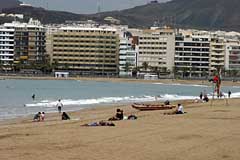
(59, 106)
(201, 95)
(229, 94)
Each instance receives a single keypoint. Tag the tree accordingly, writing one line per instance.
(127, 67)
(145, 66)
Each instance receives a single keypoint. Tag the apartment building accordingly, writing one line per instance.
(29, 42)
(192, 56)
(86, 50)
(157, 48)
(217, 54)
(232, 59)
(6, 48)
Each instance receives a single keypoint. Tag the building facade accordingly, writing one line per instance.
(157, 48)
(90, 51)
(217, 54)
(6, 48)
(232, 60)
(27, 42)
(192, 57)
(127, 56)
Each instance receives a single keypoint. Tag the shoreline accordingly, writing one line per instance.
(102, 107)
(128, 80)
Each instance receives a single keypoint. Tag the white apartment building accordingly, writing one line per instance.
(217, 54)
(192, 55)
(157, 48)
(6, 47)
(232, 61)
(127, 56)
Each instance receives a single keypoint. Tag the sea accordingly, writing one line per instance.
(16, 95)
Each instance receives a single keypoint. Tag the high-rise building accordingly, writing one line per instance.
(6, 47)
(29, 42)
(192, 57)
(86, 50)
(217, 54)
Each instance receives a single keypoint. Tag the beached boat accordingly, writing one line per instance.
(151, 107)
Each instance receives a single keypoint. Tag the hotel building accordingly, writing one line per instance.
(86, 50)
(157, 48)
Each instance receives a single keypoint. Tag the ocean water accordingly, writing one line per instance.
(16, 95)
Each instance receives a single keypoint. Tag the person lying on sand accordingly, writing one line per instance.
(100, 123)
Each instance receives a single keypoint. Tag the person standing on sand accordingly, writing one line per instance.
(59, 106)
(201, 95)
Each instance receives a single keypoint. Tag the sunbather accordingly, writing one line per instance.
(100, 123)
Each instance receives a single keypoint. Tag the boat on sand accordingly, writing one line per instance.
(151, 107)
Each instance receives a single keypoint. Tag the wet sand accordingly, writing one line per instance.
(205, 132)
(165, 81)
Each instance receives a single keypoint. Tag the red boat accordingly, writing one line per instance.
(151, 107)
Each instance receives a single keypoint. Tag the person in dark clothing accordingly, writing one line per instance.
(33, 96)
(36, 117)
(119, 114)
(201, 95)
(167, 102)
(229, 94)
(65, 116)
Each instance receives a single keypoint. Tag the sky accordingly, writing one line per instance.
(87, 6)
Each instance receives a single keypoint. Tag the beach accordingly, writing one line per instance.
(205, 132)
(130, 80)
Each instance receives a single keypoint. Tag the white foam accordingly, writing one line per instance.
(179, 84)
(109, 100)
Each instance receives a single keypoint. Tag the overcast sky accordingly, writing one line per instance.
(87, 6)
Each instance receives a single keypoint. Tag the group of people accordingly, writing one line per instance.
(40, 116)
(205, 98)
(120, 116)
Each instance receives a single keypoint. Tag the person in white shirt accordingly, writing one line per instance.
(59, 106)
(180, 109)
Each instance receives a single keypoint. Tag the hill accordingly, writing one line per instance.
(200, 14)
(45, 16)
(204, 14)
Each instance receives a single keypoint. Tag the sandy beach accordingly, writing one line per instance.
(205, 132)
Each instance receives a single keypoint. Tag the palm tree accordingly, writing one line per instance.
(145, 66)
